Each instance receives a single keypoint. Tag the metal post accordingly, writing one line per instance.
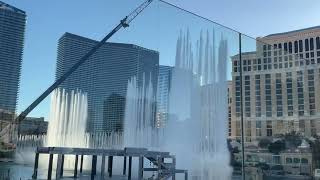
(140, 173)
(159, 160)
(130, 166)
(50, 166)
(110, 163)
(186, 175)
(241, 109)
(81, 163)
(174, 168)
(94, 166)
(124, 165)
(75, 174)
(103, 164)
(59, 166)
(35, 169)
(62, 165)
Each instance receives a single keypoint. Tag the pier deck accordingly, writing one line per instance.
(161, 168)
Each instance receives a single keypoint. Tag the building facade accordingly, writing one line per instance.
(279, 85)
(229, 108)
(104, 77)
(164, 82)
(12, 29)
(33, 126)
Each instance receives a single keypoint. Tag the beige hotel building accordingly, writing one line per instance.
(281, 86)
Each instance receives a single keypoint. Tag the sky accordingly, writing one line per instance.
(156, 28)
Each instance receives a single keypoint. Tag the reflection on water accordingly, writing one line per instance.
(15, 171)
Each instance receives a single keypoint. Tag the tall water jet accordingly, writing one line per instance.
(68, 120)
(139, 124)
(197, 125)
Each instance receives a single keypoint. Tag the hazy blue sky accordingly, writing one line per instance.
(257, 17)
(157, 28)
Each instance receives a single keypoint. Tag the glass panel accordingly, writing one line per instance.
(163, 83)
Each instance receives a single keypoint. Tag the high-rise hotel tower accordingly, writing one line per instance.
(12, 28)
(281, 85)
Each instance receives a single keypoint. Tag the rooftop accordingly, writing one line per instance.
(124, 45)
(8, 7)
(295, 31)
(250, 53)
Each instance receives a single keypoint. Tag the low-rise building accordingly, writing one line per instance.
(33, 126)
(290, 162)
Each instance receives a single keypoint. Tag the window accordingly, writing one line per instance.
(300, 93)
(237, 95)
(311, 44)
(300, 46)
(269, 128)
(296, 160)
(302, 125)
(238, 128)
(285, 47)
(258, 128)
(306, 44)
(318, 42)
(301, 56)
(311, 89)
(268, 100)
(248, 129)
(288, 160)
(295, 46)
(290, 47)
(276, 159)
(304, 160)
(258, 95)
(279, 95)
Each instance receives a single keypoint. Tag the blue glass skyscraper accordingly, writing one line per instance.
(164, 81)
(12, 28)
(105, 76)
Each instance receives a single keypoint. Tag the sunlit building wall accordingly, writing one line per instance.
(280, 85)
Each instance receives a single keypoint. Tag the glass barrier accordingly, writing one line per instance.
(206, 102)
(162, 84)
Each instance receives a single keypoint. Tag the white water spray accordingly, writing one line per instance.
(197, 126)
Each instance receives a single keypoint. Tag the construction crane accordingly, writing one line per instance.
(124, 23)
